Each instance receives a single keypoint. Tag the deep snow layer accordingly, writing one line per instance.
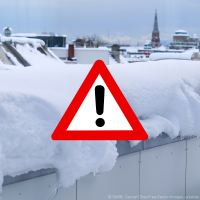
(32, 101)
(164, 95)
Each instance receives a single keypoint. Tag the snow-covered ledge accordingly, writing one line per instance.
(164, 95)
(34, 42)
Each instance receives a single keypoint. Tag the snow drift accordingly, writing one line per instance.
(164, 95)
(164, 56)
(31, 106)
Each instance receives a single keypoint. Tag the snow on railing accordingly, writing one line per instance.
(34, 42)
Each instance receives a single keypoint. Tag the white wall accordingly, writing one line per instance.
(60, 52)
(37, 189)
(85, 55)
(168, 170)
(90, 55)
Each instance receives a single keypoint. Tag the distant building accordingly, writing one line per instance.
(72, 55)
(89, 43)
(7, 31)
(50, 39)
(147, 44)
(155, 41)
(182, 40)
(79, 42)
(83, 42)
(10, 54)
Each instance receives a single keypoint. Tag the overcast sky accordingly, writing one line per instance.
(116, 20)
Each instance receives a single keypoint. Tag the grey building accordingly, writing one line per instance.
(182, 40)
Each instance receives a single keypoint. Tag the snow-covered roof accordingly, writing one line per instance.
(27, 34)
(34, 35)
(131, 49)
(8, 28)
(83, 49)
(164, 96)
(164, 56)
(24, 40)
(181, 33)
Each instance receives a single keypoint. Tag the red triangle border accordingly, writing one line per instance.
(61, 132)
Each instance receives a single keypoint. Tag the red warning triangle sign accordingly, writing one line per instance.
(99, 111)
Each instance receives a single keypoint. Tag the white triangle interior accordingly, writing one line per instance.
(86, 115)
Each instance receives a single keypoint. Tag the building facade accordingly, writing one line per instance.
(147, 44)
(155, 41)
(182, 40)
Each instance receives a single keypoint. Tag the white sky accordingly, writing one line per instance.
(124, 21)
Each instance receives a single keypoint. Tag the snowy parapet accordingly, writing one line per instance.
(172, 56)
(164, 95)
(34, 42)
(26, 124)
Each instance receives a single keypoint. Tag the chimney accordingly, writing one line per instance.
(116, 52)
(70, 51)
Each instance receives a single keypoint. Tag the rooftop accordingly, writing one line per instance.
(163, 101)
(181, 33)
(36, 35)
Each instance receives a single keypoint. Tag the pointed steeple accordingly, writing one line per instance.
(155, 28)
(155, 41)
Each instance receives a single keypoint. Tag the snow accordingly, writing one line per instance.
(8, 28)
(138, 58)
(34, 42)
(191, 50)
(112, 61)
(34, 57)
(1, 67)
(123, 60)
(163, 56)
(164, 95)
(12, 58)
(54, 55)
(32, 101)
(34, 35)
(195, 35)
(182, 31)
(92, 49)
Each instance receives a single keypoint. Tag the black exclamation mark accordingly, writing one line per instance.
(99, 97)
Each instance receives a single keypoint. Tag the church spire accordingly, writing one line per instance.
(155, 28)
(155, 41)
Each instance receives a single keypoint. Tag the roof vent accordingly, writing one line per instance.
(7, 31)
